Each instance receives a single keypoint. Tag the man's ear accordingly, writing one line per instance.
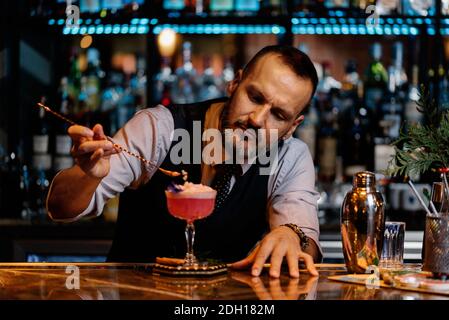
(233, 84)
(295, 124)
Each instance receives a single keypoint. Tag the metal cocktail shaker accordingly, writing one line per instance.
(362, 223)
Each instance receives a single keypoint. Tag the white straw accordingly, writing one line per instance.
(410, 183)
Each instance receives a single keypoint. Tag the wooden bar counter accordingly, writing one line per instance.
(109, 281)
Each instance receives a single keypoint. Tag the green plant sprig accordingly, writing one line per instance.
(421, 148)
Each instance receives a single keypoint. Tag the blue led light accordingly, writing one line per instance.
(66, 30)
(319, 30)
(61, 22)
(74, 30)
(400, 21)
(431, 31)
(345, 29)
(339, 13)
(353, 29)
(370, 30)
(144, 21)
(409, 21)
(302, 30)
(418, 20)
(414, 31)
(83, 30)
(351, 21)
(99, 29)
(97, 21)
(275, 30)
(327, 29)
(156, 30)
(142, 30)
(387, 30)
(91, 30)
(342, 20)
(153, 21)
(323, 20)
(88, 21)
(336, 30)
(124, 29)
(51, 22)
(310, 30)
(305, 21)
(428, 21)
(295, 20)
(390, 20)
(446, 21)
(134, 21)
(108, 29)
(405, 30)
(314, 21)
(362, 29)
(380, 31)
(332, 21)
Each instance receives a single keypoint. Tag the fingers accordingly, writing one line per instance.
(92, 146)
(98, 132)
(276, 261)
(308, 260)
(292, 260)
(80, 133)
(262, 255)
(97, 155)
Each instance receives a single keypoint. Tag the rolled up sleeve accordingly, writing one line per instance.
(148, 133)
(293, 198)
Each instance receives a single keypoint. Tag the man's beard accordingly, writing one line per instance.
(244, 144)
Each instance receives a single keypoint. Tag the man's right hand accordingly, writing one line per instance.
(91, 150)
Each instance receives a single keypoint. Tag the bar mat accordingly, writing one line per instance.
(365, 280)
(195, 271)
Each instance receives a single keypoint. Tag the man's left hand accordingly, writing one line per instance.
(279, 243)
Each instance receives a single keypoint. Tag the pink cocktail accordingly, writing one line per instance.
(190, 202)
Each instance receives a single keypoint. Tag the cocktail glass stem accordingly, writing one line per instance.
(190, 238)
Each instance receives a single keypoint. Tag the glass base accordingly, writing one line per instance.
(193, 271)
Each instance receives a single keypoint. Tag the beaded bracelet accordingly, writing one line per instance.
(303, 239)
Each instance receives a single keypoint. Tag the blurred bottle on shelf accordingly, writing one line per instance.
(90, 6)
(173, 5)
(94, 75)
(350, 86)
(333, 4)
(307, 130)
(139, 84)
(388, 7)
(185, 86)
(444, 88)
(356, 137)
(112, 5)
(41, 140)
(63, 143)
(247, 7)
(227, 75)
(221, 7)
(273, 7)
(445, 7)
(418, 8)
(209, 84)
(411, 113)
(163, 81)
(376, 78)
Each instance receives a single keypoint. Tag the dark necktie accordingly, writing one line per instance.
(222, 181)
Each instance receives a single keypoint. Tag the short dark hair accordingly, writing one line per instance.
(297, 60)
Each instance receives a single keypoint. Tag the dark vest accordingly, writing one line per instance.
(145, 229)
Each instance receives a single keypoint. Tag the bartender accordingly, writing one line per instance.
(258, 218)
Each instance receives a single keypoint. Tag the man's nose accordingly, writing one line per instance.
(258, 117)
